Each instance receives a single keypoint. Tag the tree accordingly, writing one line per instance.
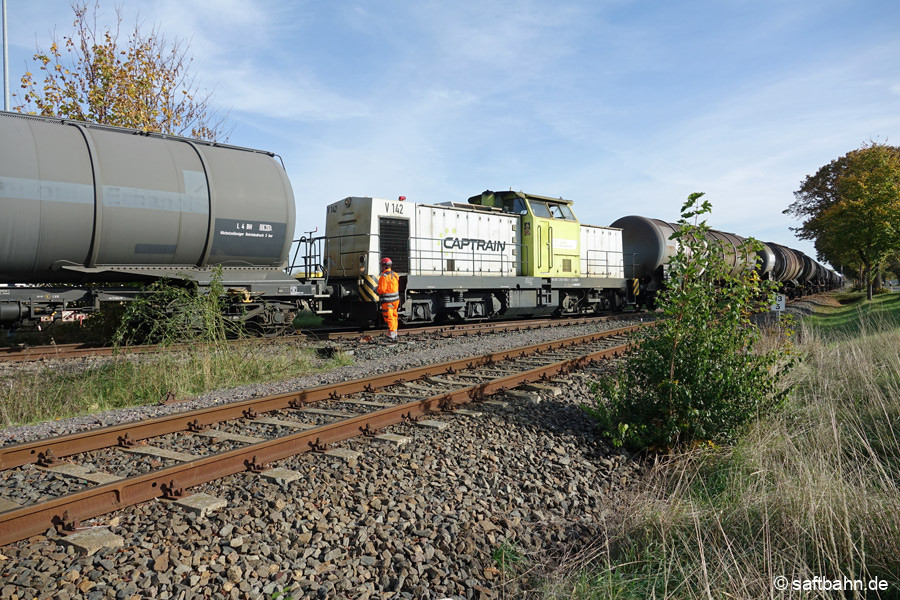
(696, 375)
(142, 83)
(852, 209)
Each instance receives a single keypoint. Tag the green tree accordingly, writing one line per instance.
(851, 208)
(142, 82)
(697, 374)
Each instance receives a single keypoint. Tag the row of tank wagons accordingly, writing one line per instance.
(648, 245)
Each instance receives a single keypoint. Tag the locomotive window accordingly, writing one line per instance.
(515, 206)
(540, 209)
(561, 211)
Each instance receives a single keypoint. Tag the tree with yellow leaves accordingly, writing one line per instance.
(143, 83)
(851, 208)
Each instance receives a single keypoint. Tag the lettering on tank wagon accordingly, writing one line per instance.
(476, 244)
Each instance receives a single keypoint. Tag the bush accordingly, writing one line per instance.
(696, 376)
(178, 311)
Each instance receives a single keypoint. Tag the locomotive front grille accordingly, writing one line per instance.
(394, 242)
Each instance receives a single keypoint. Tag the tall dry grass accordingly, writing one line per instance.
(813, 491)
(61, 391)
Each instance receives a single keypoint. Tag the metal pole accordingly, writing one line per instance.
(5, 62)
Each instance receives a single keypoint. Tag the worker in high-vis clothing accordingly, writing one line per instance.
(389, 295)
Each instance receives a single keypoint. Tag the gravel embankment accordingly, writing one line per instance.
(422, 520)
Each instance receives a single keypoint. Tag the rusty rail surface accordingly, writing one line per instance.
(26, 353)
(29, 520)
(460, 329)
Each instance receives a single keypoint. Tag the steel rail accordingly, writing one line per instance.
(459, 329)
(34, 519)
(123, 434)
(11, 354)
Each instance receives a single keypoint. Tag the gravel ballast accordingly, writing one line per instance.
(527, 480)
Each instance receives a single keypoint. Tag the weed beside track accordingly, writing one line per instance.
(53, 392)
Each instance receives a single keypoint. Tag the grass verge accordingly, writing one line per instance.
(854, 315)
(812, 491)
(48, 393)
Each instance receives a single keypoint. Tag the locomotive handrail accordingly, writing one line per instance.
(313, 259)
(604, 264)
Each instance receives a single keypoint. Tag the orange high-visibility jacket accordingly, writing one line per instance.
(388, 286)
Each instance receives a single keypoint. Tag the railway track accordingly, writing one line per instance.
(118, 466)
(26, 353)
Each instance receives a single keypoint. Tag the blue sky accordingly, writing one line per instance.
(623, 106)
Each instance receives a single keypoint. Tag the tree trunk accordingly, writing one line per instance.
(869, 282)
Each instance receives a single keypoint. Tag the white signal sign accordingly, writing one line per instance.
(779, 302)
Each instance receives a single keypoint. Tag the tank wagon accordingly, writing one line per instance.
(501, 255)
(648, 248)
(86, 208)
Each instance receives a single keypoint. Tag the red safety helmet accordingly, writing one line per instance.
(386, 262)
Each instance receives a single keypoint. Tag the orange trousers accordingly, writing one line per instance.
(389, 312)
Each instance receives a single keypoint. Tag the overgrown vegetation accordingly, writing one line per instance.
(698, 375)
(205, 358)
(810, 491)
(174, 312)
(53, 393)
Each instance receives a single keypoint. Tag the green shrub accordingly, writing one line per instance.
(696, 376)
(178, 311)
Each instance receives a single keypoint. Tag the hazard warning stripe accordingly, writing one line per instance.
(367, 289)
